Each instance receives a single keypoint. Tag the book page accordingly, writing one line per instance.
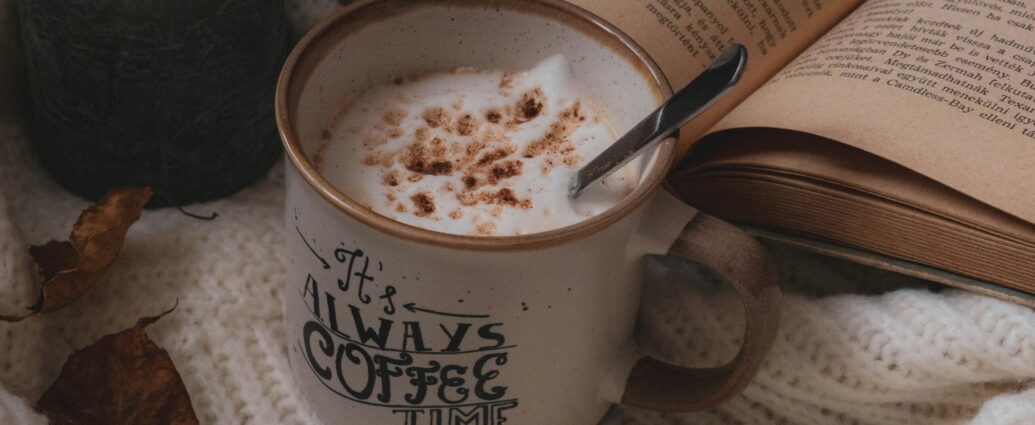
(685, 36)
(946, 89)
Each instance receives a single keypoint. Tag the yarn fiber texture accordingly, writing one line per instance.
(11, 67)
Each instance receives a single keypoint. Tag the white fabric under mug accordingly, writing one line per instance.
(389, 324)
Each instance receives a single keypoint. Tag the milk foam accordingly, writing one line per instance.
(473, 152)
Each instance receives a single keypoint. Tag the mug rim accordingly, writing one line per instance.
(651, 181)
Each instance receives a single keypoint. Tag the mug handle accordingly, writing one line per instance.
(743, 262)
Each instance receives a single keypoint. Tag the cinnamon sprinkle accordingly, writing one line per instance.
(504, 196)
(530, 106)
(486, 229)
(422, 134)
(557, 140)
(474, 147)
(437, 118)
(421, 160)
(466, 125)
(493, 116)
(505, 170)
(424, 203)
(431, 168)
(393, 117)
(494, 156)
(373, 140)
(505, 84)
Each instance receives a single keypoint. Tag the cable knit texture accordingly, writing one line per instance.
(909, 356)
(893, 352)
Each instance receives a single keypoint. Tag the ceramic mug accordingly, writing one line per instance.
(391, 324)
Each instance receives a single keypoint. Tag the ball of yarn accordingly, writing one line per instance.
(172, 94)
(10, 61)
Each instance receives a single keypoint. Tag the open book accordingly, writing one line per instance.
(896, 133)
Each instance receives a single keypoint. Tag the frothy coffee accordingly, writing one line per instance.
(472, 152)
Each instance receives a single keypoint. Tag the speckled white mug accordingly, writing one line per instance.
(390, 324)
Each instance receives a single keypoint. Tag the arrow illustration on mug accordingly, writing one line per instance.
(318, 257)
(412, 307)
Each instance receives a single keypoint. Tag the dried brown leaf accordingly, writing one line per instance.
(70, 268)
(122, 379)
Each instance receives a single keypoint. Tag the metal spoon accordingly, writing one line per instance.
(682, 107)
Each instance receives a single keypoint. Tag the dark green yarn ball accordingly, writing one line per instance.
(172, 94)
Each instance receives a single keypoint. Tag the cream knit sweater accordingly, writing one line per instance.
(901, 355)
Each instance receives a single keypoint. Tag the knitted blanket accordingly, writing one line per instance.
(856, 346)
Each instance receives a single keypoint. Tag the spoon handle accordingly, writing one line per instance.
(682, 107)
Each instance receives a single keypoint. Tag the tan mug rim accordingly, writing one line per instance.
(353, 15)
